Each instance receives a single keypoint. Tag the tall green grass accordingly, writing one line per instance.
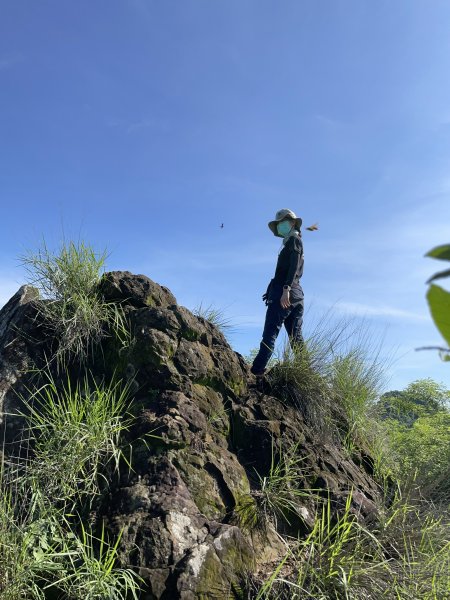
(28, 560)
(334, 378)
(75, 434)
(71, 306)
(42, 556)
(406, 557)
(92, 572)
(73, 438)
(278, 495)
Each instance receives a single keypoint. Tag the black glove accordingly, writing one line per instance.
(265, 296)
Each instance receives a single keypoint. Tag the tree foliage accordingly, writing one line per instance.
(418, 421)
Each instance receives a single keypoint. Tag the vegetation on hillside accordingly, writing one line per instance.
(50, 547)
(417, 421)
(47, 547)
(405, 554)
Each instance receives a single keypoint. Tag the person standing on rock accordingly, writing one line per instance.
(284, 295)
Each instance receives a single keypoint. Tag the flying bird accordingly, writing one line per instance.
(314, 227)
(221, 227)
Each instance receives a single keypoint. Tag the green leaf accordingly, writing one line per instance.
(445, 356)
(439, 303)
(439, 275)
(441, 252)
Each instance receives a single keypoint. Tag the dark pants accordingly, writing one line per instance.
(276, 316)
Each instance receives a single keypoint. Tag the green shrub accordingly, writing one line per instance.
(71, 305)
(417, 421)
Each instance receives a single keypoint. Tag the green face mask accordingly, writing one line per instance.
(284, 228)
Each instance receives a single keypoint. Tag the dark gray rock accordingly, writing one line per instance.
(22, 348)
(136, 290)
(202, 430)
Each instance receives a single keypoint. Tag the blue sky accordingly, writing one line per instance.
(141, 126)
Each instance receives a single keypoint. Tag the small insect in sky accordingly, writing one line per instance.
(221, 227)
(314, 227)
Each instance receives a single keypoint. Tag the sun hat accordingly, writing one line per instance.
(282, 214)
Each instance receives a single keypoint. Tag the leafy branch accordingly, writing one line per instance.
(439, 299)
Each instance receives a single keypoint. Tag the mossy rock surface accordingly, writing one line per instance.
(202, 434)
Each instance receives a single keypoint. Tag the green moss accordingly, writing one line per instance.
(211, 382)
(190, 334)
(148, 354)
(246, 513)
(219, 421)
(200, 484)
(217, 577)
(238, 386)
(150, 301)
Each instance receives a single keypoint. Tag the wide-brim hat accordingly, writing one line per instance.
(280, 216)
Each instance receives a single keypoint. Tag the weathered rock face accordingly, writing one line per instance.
(202, 429)
(21, 350)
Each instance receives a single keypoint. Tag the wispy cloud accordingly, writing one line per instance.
(360, 309)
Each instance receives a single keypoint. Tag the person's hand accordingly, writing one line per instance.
(285, 300)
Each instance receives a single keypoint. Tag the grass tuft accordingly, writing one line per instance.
(406, 557)
(334, 379)
(278, 494)
(73, 438)
(75, 433)
(215, 316)
(71, 306)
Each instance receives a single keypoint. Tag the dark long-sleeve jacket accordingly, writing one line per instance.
(289, 267)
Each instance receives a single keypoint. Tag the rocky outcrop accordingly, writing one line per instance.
(203, 433)
(21, 349)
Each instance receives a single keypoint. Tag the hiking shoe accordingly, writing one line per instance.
(258, 373)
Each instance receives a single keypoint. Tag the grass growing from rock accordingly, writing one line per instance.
(216, 316)
(278, 495)
(405, 557)
(71, 306)
(72, 438)
(93, 574)
(334, 379)
(42, 556)
(75, 433)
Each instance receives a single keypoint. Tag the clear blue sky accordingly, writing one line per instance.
(142, 125)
